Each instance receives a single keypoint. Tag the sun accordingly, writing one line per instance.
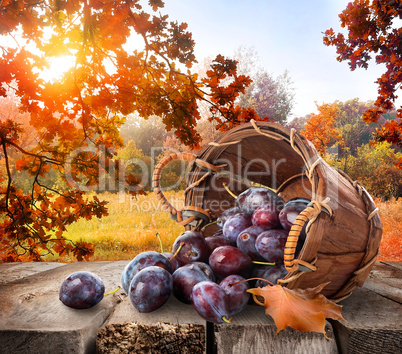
(57, 67)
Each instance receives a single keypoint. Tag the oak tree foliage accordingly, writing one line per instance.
(374, 32)
(77, 117)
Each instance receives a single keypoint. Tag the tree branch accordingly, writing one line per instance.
(3, 143)
(41, 157)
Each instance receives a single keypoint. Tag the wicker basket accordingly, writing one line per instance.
(344, 229)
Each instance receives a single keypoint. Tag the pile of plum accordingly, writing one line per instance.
(212, 273)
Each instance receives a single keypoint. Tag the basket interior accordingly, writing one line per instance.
(256, 159)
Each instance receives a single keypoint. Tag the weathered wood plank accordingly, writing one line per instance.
(10, 272)
(252, 331)
(173, 311)
(33, 320)
(386, 280)
(373, 324)
(394, 264)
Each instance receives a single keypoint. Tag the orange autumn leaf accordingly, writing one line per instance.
(301, 309)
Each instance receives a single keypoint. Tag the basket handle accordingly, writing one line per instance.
(309, 213)
(157, 177)
(191, 213)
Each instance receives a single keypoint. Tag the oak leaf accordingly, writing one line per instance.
(301, 309)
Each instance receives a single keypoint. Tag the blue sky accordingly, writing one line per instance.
(287, 35)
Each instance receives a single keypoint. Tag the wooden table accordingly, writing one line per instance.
(33, 320)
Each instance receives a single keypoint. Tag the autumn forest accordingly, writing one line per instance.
(78, 149)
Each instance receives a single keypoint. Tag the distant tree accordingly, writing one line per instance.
(340, 123)
(130, 151)
(320, 127)
(372, 30)
(374, 167)
(208, 132)
(273, 98)
(298, 123)
(269, 96)
(351, 126)
(249, 61)
(205, 129)
(133, 162)
(148, 134)
(175, 171)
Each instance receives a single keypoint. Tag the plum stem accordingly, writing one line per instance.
(242, 281)
(226, 319)
(267, 281)
(254, 184)
(264, 263)
(209, 224)
(114, 291)
(229, 191)
(160, 241)
(178, 250)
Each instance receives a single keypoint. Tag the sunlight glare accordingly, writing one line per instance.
(57, 67)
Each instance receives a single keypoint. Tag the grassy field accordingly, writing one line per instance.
(130, 228)
(132, 225)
